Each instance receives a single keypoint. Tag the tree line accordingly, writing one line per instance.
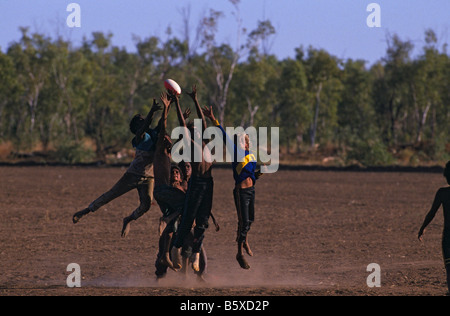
(62, 97)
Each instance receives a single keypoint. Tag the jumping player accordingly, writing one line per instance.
(199, 196)
(442, 198)
(245, 175)
(163, 261)
(169, 191)
(139, 174)
(171, 201)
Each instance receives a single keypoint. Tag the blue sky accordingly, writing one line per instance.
(338, 26)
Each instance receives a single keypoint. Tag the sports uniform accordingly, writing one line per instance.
(244, 167)
(138, 176)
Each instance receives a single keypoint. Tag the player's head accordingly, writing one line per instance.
(447, 172)
(136, 123)
(242, 141)
(186, 168)
(175, 174)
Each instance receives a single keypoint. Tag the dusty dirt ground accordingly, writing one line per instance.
(315, 234)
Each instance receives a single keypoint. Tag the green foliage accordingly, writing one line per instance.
(51, 91)
(370, 152)
(72, 152)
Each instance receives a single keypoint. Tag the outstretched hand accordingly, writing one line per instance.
(193, 94)
(186, 113)
(165, 99)
(156, 107)
(208, 112)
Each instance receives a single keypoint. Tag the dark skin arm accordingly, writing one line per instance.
(161, 161)
(208, 112)
(147, 122)
(181, 116)
(430, 216)
(186, 113)
(166, 101)
(193, 95)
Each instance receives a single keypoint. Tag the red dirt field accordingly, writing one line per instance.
(315, 234)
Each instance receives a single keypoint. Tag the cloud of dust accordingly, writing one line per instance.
(266, 273)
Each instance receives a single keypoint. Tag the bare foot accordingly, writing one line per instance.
(196, 261)
(78, 215)
(176, 258)
(165, 260)
(126, 226)
(242, 262)
(162, 225)
(247, 249)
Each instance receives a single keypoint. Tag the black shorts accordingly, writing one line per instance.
(169, 199)
(244, 200)
(198, 205)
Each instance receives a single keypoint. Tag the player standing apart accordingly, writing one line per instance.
(442, 198)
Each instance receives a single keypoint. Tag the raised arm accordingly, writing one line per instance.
(232, 147)
(163, 123)
(193, 95)
(148, 121)
(431, 214)
(181, 116)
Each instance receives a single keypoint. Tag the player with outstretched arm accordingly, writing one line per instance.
(442, 198)
(245, 175)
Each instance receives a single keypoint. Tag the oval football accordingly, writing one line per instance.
(171, 84)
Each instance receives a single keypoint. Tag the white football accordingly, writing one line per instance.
(171, 85)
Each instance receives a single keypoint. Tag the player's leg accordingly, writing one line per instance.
(144, 188)
(447, 269)
(203, 265)
(446, 255)
(251, 218)
(171, 202)
(242, 199)
(166, 241)
(161, 269)
(237, 204)
(202, 222)
(126, 183)
(191, 206)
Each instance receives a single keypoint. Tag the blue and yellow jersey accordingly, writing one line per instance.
(244, 162)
